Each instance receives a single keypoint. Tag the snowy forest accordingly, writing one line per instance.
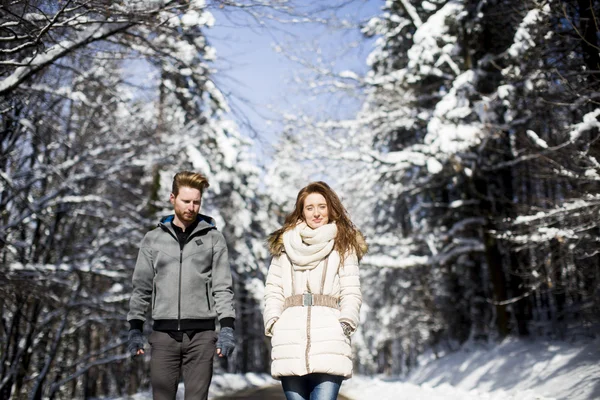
(471, 166)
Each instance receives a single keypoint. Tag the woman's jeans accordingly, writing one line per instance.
(311, 387)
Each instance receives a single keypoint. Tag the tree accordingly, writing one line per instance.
(101, 103)
(470, 166)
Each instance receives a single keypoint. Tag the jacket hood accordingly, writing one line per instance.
(200, 218)
(275, 243)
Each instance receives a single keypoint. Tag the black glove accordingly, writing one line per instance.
(226, 341)
(135, 342)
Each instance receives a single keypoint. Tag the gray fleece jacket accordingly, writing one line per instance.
(187, 287)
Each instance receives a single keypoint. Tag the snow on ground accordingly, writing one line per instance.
(221, 385)
(512, 370)
(224, 384)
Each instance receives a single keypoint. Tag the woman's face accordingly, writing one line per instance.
(315, 211)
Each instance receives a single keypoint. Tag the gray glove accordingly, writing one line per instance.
(346, 328)
(135, 342)
(226, 341)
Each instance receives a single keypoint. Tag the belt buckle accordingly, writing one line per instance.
(307, 299)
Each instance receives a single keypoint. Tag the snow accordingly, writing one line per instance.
(513, 369)
(430, 39)
(590, 199)
(349, 75)
(216, 95)
(590, 121)
(411, 10)
(384, 261)
(428, 6)
(519, 369)
(194, 18)
(221, 385)
(190, 18)
(185, 52)
(448, 120)
(504, 91)
(210, 53)
(434, 166)
(523, 40)
(542, 235)
(447, 133)
(539, 141)
(52, 54)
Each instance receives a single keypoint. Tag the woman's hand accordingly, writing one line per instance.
(346, 328)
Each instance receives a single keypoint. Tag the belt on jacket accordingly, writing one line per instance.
(310, 299)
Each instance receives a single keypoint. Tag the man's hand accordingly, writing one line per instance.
(135, 342)
(225, 342)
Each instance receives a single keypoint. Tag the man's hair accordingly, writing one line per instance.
(189, 179)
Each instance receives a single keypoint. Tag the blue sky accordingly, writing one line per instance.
(255, 77)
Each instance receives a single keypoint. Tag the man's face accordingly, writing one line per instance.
(186, 205)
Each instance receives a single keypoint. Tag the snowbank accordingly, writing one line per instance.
(514, 369)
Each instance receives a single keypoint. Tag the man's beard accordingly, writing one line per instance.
(186, 216)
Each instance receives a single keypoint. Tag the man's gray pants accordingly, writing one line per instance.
(192, 359)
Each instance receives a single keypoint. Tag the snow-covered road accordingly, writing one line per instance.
(511, 370)
(381, 389)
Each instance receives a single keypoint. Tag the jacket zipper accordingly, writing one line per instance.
(163, 226)
(308, 321)
(179, 291)
(308, 312)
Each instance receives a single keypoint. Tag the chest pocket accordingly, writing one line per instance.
(198, 255)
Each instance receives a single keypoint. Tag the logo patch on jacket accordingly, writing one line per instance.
(199, 242)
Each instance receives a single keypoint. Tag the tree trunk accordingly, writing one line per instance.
(494, 261)
(589, 41)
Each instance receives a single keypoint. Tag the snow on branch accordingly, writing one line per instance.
(37, 63)
(384, 261)
(78, 199)
(536, 139)
(523, 40)
(412, 12)
(567, 218)
(540, 235)
(588, 201)
(434, 45)
(590, 121)
(453, 251)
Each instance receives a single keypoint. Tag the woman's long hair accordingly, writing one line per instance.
(348, 238)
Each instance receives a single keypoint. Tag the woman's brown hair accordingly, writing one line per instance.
(348, 238)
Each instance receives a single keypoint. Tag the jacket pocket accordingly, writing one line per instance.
(208, 296)
(196, 298)
(153, 295)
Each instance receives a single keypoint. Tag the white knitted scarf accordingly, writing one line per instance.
(306, 247)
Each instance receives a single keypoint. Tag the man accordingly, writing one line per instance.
(183, 273)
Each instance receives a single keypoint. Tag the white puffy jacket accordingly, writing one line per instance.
(310, 339)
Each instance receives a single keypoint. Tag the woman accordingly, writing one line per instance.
(312, 295)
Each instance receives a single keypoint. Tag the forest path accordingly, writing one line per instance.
(266, 393)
